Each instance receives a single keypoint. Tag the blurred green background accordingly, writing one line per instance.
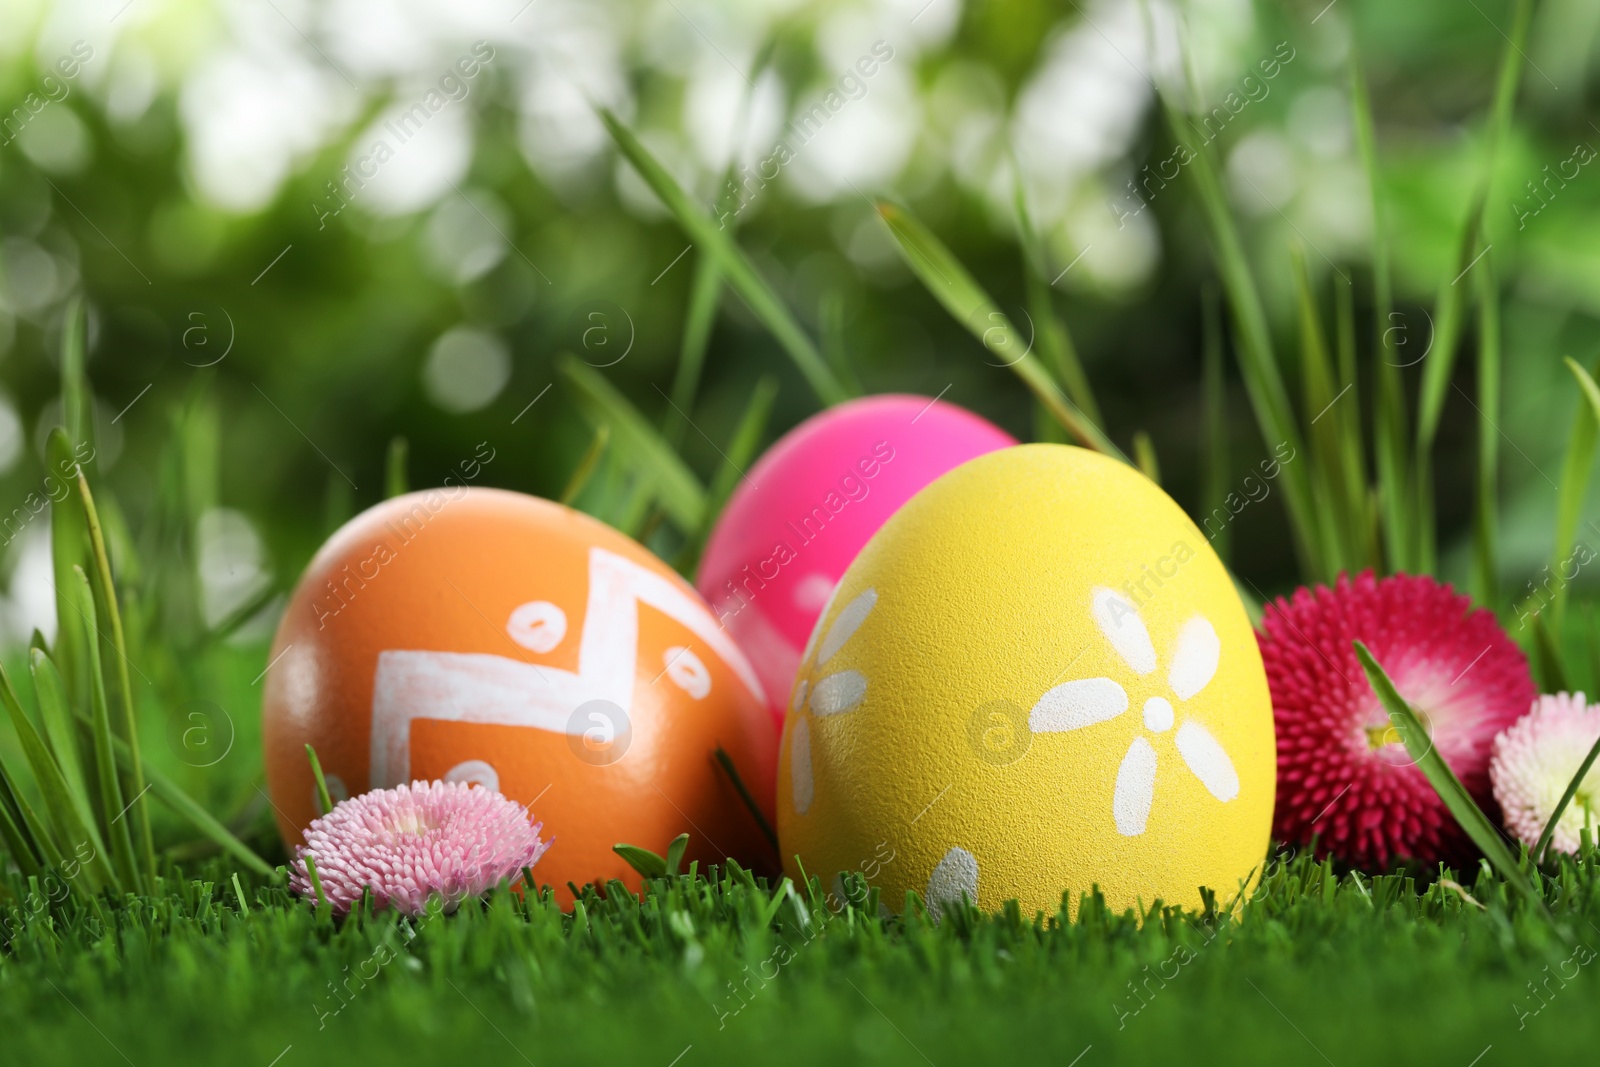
(260, 331)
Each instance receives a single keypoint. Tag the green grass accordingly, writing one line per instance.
(1316, 966)
(122, 965)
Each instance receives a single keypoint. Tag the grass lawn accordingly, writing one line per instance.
(1314, 968)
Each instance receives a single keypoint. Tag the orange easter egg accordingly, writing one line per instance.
(487, 636)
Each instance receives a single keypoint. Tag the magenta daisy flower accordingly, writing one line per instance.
(1535, 760)
(413, 842)
(1344, 775)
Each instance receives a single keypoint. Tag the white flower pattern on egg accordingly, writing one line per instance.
(831, 694)
(1078, 704)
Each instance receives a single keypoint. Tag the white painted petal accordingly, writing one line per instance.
(799, 697)
(1208, 761)
(845, 626)
(1120, 622)
(954, 875)
(1136, 788)
(800, 767)
(1194, 661)
(1077, 704)
(838, 692)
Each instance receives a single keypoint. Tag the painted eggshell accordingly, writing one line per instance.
(1036, 678)
(809, 505)
(492, 637)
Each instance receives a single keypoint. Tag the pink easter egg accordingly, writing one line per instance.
(796, 522)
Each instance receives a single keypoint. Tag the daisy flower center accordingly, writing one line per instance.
(412, 822)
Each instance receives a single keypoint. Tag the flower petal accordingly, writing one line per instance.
(1194, 661)
(838, 692)
(845, 626)
(1208, 761)
(1136, 788)
(800, 766)
(1120, 622)
(1077, 704)
(953, 876)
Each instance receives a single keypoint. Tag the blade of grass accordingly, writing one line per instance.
(704, 296)
(736, 460)
(185, 806)
(834, 346)
(56, 718)
(1485, 513)
(1253, 342)
(1216, 402)
(731, 261)
(69, 545)
(1576, 469)
(944, 276)
(1397, 511)
(1327, 459)
(1055, 345)
(1444, 781)
(1361, 517)
(230, 623)
(14, 829)
(1547, 657)
(725, 761)
(586, 465)
(672, 483)
(1450, 307)
(110, 786)
(675, 851)
(324, 908)
(647, 863)
(30, 824)
(395, 482)
(706, 290)
(1592, 639)
(77, 401)
(104, 591)
(61, 806)
(324, 798)
(1144, 455)
(1542, 848)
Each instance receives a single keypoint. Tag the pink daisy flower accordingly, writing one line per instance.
(1344, 774)
(416, 841)
(1535, 760)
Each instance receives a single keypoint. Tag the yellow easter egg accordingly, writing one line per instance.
(1035, 679)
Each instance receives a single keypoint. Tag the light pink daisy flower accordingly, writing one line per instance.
(413, 842)
(1535, 759)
